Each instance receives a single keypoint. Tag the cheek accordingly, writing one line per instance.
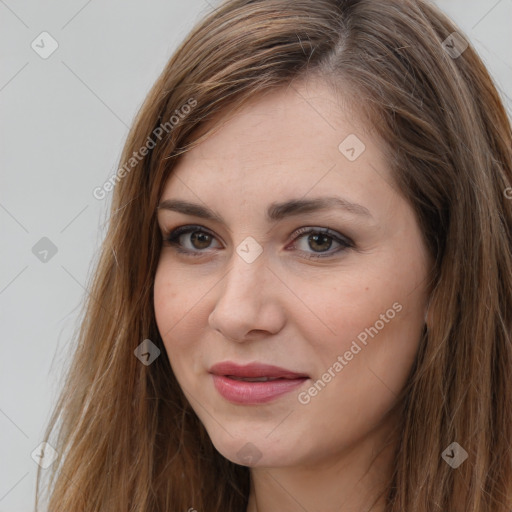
(361, 370)
(374, 324)
(180, 314)
(176, 297)
(173, 303)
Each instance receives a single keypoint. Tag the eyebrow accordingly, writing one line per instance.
(275, 211)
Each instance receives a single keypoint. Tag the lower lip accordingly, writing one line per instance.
(243, 392)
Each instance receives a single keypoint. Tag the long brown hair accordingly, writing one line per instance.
(127, 438)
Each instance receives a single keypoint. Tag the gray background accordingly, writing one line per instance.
(63, 122)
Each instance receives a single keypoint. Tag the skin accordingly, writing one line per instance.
(335, 452)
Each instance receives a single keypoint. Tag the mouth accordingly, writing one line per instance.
(255, 383)
(254, 371)
(253, 379)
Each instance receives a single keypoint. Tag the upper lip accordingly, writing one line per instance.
(254, 370)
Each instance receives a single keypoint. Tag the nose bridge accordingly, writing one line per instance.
(246, 275)
(243, 303)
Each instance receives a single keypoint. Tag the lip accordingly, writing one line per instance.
(254, 370)
(246, 393)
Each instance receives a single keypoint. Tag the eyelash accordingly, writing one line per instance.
(173, 237)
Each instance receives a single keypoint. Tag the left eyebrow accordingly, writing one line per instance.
(275, 212)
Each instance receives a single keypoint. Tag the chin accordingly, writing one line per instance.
(254, 451)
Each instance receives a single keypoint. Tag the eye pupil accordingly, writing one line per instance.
(202, 238)
(314, 238)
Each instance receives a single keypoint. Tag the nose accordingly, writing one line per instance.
(248, 304)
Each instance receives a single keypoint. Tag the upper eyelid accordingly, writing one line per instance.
(297, 233)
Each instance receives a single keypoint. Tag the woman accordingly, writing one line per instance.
(304, 299)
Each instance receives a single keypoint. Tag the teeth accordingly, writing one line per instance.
(253, 379)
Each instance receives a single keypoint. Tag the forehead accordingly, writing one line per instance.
(295, 141)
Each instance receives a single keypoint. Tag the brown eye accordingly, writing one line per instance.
(316, 243)
(192, 240)
(200, 239)
(320, 242)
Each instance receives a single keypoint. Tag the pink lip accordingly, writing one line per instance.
(254, 370)
(241, 392)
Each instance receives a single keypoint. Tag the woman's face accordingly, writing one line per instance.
(259, 283)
